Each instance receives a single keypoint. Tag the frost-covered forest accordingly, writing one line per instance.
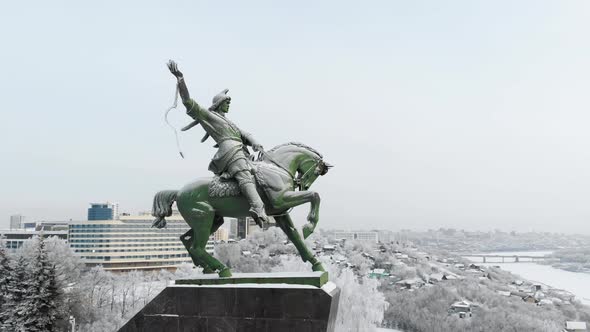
(45, 284)
(393, 285)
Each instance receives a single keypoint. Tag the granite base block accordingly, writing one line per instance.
(239, 307)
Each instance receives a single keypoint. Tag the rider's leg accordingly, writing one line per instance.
(248, 188)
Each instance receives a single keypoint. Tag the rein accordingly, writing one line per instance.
(266, 155)
(174, 105)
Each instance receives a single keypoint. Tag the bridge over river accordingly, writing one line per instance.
(499, 258)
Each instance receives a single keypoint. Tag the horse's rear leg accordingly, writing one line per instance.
(187, 241)
(201, 222)
(286, 224)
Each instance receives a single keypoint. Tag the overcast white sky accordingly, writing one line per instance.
(466, 114)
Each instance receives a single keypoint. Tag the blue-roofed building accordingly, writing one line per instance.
(100, 211)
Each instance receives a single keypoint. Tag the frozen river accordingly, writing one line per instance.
(573, 282)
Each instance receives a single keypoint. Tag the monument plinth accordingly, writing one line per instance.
(245, 302)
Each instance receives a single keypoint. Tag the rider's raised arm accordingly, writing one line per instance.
(192, 108)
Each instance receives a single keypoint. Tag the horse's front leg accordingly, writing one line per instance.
(295, 198)
(313, 217)
(286, 224)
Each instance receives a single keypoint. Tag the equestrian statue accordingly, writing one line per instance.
(243, 186)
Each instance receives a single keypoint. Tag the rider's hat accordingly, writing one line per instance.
(219, 98)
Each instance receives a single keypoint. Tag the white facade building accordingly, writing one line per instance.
(357, 236)
(131, 243)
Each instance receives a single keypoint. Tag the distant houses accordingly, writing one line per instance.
(572, 326)
(411, 284)
(378, 274)
(328, 248)
(462, 309)
(438, 277)
(404, 268)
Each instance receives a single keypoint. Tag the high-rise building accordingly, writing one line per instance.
(103, 211)
(233, 228)
(246, 226)
(242, 228)
(131, 243)
(115, 208)
(16, 221)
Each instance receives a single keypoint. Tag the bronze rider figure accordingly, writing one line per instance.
(231, 159)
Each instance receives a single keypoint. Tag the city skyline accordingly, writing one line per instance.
(470, 115)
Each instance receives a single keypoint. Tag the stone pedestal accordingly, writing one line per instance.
(302, 302)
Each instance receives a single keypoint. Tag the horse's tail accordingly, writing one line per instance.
(162, 207)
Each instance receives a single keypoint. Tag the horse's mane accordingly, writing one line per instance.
(301, 145)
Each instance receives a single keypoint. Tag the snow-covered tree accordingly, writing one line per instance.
(5, 274)
(151, 287)
(13, 313)
(229, 254)
(42, 301)
(68, 265)
(361, 306)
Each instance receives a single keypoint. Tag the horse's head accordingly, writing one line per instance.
(303, 162)
(309, 173)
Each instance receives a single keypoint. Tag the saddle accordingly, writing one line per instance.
(268, 177)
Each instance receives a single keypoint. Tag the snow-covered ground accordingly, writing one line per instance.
(573, 282)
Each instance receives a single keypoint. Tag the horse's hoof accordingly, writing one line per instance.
(307, 230)
(317, 266)
(225, 273)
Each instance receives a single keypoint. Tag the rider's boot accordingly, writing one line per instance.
(256, 205)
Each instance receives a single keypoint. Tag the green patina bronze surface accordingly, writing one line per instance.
(283, 176)
(316, 279)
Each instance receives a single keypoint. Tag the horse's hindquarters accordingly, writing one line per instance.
(195, 197)
(190, 195)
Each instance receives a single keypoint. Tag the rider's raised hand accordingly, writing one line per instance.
(173, 67)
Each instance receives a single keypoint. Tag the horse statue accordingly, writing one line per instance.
(283, 175)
